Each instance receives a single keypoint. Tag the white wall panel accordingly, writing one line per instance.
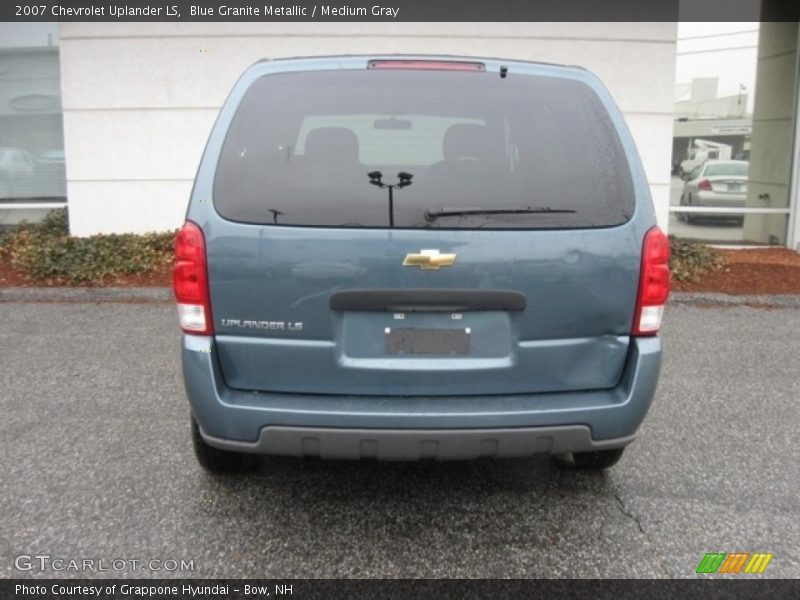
(127, 206)
(136, 144)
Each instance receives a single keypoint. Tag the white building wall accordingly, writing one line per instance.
(140, 99)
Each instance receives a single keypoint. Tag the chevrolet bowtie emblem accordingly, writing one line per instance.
(429, 260)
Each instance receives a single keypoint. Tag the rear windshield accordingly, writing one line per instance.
(310, 148)
(727, 169)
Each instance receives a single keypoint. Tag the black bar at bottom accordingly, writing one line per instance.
(707, 588)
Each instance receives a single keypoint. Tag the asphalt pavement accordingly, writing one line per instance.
(97, 465)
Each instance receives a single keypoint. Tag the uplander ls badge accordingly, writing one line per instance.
(280, 325)
(429, 260)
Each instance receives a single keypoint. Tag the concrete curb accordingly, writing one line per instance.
(85, 294)
(163, 294)
(716, 299)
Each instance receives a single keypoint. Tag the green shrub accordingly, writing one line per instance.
(46, 252)
(690, 259)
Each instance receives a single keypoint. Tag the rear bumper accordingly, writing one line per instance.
(408, 428)
(719, 199)
(416, 444)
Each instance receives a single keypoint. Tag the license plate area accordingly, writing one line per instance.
(417, 340)
(369, 336)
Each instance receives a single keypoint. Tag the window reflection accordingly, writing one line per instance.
(735, 110)
(32, 161)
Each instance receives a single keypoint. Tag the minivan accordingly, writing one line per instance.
(419, 257)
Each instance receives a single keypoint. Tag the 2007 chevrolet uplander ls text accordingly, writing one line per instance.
(419, 257)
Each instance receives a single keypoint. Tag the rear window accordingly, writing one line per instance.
(482, 152)
(739, 169)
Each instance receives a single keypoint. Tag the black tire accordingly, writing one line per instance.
(681, 215)
(216, 461)
(590, 461)
(689, 218)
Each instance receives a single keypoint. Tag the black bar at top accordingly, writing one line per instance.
(401, 10)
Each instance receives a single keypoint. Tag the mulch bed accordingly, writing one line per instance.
(10, 277)
(757, 271)
(754, 271)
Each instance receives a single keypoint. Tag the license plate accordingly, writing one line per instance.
(410, 340)
(734, 187)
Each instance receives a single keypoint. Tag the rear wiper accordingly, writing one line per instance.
(432, 214)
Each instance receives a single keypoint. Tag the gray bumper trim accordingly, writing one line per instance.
(415, 444)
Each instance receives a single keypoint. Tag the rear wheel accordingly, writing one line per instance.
(682, 215)
(689, 218)
(590, 461)
(219, 461)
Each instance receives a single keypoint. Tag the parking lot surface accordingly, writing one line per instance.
(97, 464)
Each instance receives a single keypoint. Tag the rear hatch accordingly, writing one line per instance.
(421, 231)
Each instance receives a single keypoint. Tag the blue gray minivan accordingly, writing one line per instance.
(416, 257)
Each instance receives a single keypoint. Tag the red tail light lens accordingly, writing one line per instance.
(190, 281)
(427, 65)
(653, 283)
(704, 184)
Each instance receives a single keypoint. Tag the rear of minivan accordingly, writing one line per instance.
(419, 257)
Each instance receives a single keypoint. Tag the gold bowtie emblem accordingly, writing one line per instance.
(429, 260)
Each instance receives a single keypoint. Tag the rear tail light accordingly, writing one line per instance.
(704, 184)
(427, 65)
(653, 283)
(190, 281)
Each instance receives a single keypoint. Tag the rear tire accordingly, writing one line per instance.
(689, 218)
(216, 461)
(590, 461)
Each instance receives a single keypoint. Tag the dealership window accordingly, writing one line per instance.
(32, 161)
(735, 133)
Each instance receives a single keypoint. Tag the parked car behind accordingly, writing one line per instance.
(718, 183)
(397, 258)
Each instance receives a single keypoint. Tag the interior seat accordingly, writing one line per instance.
(473, 163)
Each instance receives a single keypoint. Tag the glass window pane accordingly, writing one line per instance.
(723, 228)
(32, 165)
(301, 145)
(735, 114)
(738, 169)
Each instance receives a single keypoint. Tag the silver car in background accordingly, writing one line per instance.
(718, 183)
